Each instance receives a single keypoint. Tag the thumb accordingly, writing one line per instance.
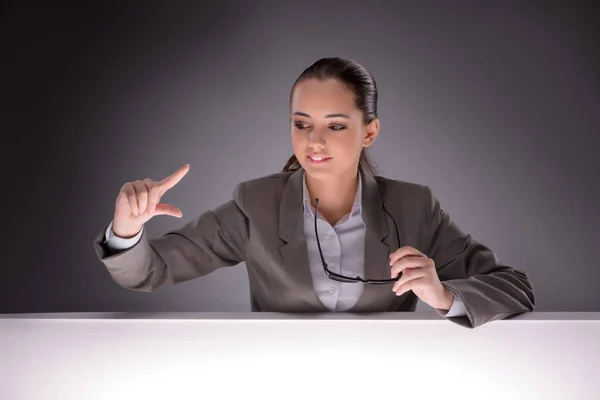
(168, 209)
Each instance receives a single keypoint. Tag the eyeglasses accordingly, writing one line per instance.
(348, 279)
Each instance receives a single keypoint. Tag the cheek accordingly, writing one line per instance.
(298, 143)
(297, 139)
(348, 143)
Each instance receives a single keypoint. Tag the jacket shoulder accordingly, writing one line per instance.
(406, 191)
(264, 190)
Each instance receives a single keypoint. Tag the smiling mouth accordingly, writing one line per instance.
(318, 160)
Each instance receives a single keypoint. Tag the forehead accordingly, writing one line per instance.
(313, 96)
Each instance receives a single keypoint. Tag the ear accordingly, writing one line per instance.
(371, 132)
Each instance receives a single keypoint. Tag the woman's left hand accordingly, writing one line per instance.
(420, 276)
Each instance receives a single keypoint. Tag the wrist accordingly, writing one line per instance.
(448, 300)
(125, 232)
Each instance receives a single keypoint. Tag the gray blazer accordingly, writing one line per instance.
(263, 226)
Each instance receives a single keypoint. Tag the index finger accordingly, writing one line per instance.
(403, 252)
(173, 179)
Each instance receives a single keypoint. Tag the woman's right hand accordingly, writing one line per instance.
(139, 201)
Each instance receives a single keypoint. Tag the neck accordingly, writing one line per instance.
(336, 194)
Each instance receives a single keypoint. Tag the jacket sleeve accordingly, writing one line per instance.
(471, 271)
(215, 239)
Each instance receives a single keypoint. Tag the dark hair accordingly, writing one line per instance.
(362, 84)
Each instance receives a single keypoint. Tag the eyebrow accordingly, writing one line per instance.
(327, 116)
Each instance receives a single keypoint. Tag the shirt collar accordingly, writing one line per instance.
(308, 208)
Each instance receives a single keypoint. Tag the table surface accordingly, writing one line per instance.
(405, 355)
(408, 316)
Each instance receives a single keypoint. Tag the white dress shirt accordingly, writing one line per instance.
(343, 247)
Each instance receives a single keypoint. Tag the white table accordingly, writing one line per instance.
(241, 356)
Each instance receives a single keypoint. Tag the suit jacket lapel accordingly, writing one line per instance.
(378, 244)
(291, 230)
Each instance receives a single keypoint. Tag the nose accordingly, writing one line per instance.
(316, 138)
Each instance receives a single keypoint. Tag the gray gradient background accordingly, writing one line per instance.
(494, 105)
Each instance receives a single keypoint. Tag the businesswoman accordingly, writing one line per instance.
(324, 234)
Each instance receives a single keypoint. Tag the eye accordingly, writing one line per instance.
(302, 126)
(299, 125)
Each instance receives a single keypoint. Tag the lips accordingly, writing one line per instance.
(318, 157)
(315, 161)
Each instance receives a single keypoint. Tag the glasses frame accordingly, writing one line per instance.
(348, 279)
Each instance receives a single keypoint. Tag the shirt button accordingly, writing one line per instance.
(331, 289)
(332, 265)
(330, 237)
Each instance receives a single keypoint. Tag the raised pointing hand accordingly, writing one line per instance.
(139, 201)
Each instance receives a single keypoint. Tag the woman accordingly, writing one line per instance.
(325, 234)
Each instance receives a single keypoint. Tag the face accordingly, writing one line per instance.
(325, 121)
